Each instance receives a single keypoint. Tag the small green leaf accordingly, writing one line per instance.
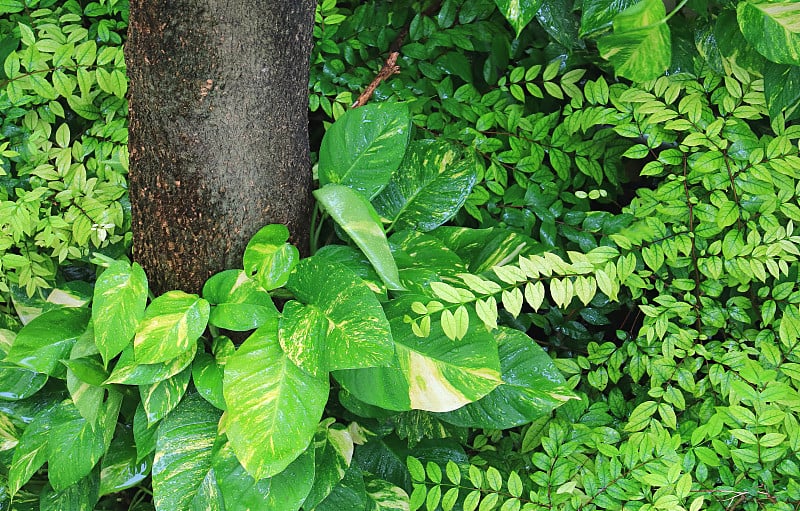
(269, 257)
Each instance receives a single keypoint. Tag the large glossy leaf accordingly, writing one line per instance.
(432, 373)
(385, 496)
(422, 259)
(119, 468)
(640, 47)
(350, 493)
(162, 397)
(130, 372)
(532, 387)
(183, 455)
(597, 15)
(285, 491)
(207, 378)
(16, 382)
(268, 258)
(341, 326)
(75, 445)
(558, 19)
(171, 326)
(273, 406)
(485, 248)
(120, 297)
(31, 451)
(47, 339)
(81, 496)
(354, 260)
(359, 220)
(333, 446)
(364, 147)
(518, 12)
(781, 88)
(429, 188)
(773, 28)
(239, 302)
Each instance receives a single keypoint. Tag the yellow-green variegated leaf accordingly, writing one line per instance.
(158, 399)
(340, 323)
(268, 258)
(532, 387)
(773, 28)
(130, 372)
(182, 470)
(386, 496)
(285, 491)
(354, 213)
(239, 302)
(640, 47)
(429, 188)
(273, 405)
(364, 146)
(172, 324)
(41, 344)
(120, 296)
(487, 248)
(432, 373)
(518, 12)
(333, 446)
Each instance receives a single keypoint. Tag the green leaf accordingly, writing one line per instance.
(333, 446)
(130, 372)
(120, 297)
(47, 339)
(273, 406)
(518, 12)
(598, 15)
(532, 387)
(239, 302)
(81, 496)
(31, 451)
(171, 326)
(17, 382)
(158, 399)
(429, 188)
(119, 468)
(360, 221)
(773, 28)
(11, 6)
(182, 461)
(341, 326)
(640, 416)
(434, 373)
(781, 88)
(486, 248)
(640, 47)
(207, 378)
(364, 146)
(385, 496)
(285, 491)
(269, 257)
(75, 445)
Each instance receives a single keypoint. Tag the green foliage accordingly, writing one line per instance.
(63, 135)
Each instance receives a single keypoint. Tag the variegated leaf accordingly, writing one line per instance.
(172, 324)
(120, 297)
(158, 399)
(269, 258)
(273, 406)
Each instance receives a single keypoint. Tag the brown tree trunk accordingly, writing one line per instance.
(218, 131)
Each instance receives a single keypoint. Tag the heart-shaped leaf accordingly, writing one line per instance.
(273, 405)
(518, 12)
(341, 326)
(171, 326)
(240, 303)
(42, 343)
(120, 297)
(269, 258)
(364, 146)
(429, 188)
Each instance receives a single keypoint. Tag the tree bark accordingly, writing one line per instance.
(218, 131)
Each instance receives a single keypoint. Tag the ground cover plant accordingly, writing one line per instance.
(543, 277)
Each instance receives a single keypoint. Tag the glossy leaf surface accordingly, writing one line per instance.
(518, 12)
(773, 28)
(364, 147)
(239, 302)
(273, 406)
(429, 188)
(532, 387)
(268, 258)
(359, 220)
(341, 326)
(171, 326)
(47, 339)
(120, 297)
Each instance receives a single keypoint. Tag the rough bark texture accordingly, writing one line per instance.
(218, 131)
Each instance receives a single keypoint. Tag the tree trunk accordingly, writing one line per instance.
(218, 131)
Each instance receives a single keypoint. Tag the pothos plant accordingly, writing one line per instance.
(111, 393)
